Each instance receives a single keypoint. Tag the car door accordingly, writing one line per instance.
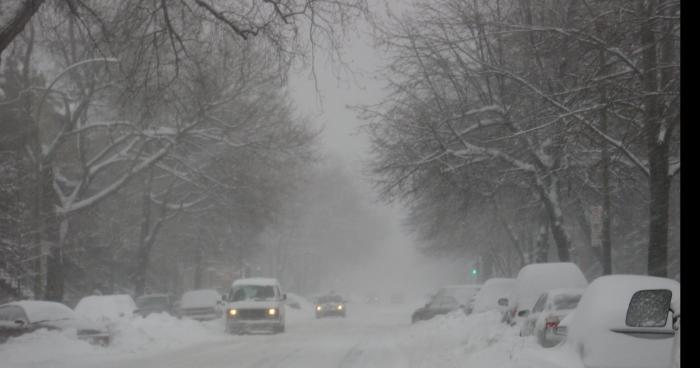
(534, 314)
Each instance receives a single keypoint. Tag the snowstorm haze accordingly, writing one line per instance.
(392, 261)
(356, 183)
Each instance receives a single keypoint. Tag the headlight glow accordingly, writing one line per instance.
(340, 307)
(232, 312)
(271, 312)
(318, 308)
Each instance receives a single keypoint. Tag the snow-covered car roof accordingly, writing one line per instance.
(537, 278)
(106, 307)
(463, 293)
(37, 310)
(492, 290)
(200, 298)
(261, 281)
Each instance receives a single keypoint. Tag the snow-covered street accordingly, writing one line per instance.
(371, 336)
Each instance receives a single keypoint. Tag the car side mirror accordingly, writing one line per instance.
(523, 313)
(20, 322)
(675, 320)
(503, 302)
(284, 296)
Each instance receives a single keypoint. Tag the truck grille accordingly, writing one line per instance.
(252, 314)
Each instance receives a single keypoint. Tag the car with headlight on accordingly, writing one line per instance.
(330, 305)
(22, 317)
(255, 305)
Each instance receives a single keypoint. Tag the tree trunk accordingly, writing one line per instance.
(550, 197)
(606, 241)
(144, 243)
(542, 242)
(657, 146)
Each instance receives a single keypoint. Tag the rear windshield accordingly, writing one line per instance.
(566, 301)
(649, 308)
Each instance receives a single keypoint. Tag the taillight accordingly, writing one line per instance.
(551, 322)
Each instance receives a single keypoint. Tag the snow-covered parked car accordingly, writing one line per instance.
(552, 306)
(464, 294)
(18, 318)
(107, 309)
(153, 303)
(533, 280)
(493, 295)
(255, 304)
(438, 305)
(625, 321)
(201, 305)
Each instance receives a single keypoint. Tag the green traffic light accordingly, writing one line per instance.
(474, 271)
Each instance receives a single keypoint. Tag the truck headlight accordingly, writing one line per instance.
(232, 312)
(318, 308)
(340, 307)
(272, 312)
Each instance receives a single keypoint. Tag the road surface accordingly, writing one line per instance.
(365, 338)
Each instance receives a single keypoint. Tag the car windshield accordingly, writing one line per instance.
(566, 301)
(252, 292)
(330, 299)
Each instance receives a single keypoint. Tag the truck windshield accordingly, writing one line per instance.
(252, 292)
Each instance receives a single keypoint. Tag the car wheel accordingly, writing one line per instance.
(541, 340)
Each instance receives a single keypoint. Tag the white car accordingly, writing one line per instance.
(625, 321)
(22, 317)
(107, 309)
(552, 306)
(533, 280)
(255, 305)
(493, 295)
(201, 305)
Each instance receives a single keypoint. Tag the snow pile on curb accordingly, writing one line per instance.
(479, 340)
(160, 331)
(43, 347)
(135, 336)
(304, 314)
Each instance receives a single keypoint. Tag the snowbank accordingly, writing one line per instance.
(157, 333)
(160, 331)
(304, 314)
(479, 340)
